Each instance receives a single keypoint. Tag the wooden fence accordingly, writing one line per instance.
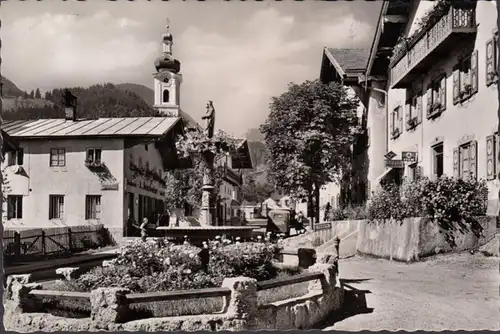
(52, 241)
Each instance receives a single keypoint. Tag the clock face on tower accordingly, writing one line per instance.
(167, 82)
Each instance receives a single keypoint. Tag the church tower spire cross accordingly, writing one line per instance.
(167, 79)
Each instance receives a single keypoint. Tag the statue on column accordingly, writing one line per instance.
(209, 119)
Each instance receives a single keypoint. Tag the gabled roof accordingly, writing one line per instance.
(100, 127)
(341, 64)
(349, 59)
(241, 158)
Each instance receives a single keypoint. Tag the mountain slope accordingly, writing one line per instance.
(9, 89)
(95, 101)
(146, 93)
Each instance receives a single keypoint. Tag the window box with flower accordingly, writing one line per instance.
(412, 122)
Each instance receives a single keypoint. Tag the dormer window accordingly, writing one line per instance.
(94, 155)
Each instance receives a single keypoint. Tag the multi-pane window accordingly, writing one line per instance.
(57, 157)
(93, 207)
(438, 159)
(14, 207)
(465, 83)
(94, 155)
(396, 122)
(16, 157)
(436, 96)
(414, 111)
(465, 161)
(56, 207)
(492, 60)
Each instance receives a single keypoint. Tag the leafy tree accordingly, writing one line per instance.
(38, 95)
(184, 185)
(95, 101)
(256, 192)
(309, 133)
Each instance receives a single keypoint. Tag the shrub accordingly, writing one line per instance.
(444, 199)
(350, 212)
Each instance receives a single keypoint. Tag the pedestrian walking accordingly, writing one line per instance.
(328, 208)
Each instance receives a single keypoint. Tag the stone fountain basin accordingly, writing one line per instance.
(198, 234)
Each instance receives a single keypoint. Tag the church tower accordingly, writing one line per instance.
(167, 80)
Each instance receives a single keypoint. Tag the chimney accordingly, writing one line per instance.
(69, 106)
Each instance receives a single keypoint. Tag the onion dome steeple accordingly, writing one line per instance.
(166, 61)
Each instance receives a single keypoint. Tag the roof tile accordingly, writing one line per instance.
(350, 59)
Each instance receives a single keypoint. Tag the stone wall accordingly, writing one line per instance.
(409, 240)
(109, 308)
(414, 238)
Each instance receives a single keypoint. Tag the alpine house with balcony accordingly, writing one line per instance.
(441, 90)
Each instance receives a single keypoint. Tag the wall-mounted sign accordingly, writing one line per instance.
(394, 164)
(409, 156)
(322, 226)
(390, 155)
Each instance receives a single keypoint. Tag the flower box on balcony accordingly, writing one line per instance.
(395, 133)
(412, 122)
(93, 164)
(446, 24)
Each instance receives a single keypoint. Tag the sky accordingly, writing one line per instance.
(237, 54)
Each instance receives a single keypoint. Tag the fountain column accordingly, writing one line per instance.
(207, 214)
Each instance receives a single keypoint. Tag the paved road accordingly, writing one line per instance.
(450, 292)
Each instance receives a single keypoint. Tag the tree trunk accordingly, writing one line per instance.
(310, 208)
(316, 204)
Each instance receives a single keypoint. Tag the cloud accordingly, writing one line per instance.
(345, 33)
(241, 73)
(71, 49)
(240, 68)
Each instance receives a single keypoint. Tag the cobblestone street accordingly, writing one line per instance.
(452, 292)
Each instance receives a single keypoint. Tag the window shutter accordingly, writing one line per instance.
(419, 108)
(392, 123)
(442, 95)
(473, 73)
(408, 114)
(10, 211)
(20, 207)
(456, 84)
(490, 60)
(496, 156)
(490, 157)
(456, 163)
(473, 159)
(400, 114)
(429, 99)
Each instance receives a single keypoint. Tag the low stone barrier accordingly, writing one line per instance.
(110, 306)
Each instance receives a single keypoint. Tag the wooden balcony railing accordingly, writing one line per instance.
(421, 50)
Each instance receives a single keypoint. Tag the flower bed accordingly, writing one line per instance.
(158, 266)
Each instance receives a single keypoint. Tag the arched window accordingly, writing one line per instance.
(166, 96)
